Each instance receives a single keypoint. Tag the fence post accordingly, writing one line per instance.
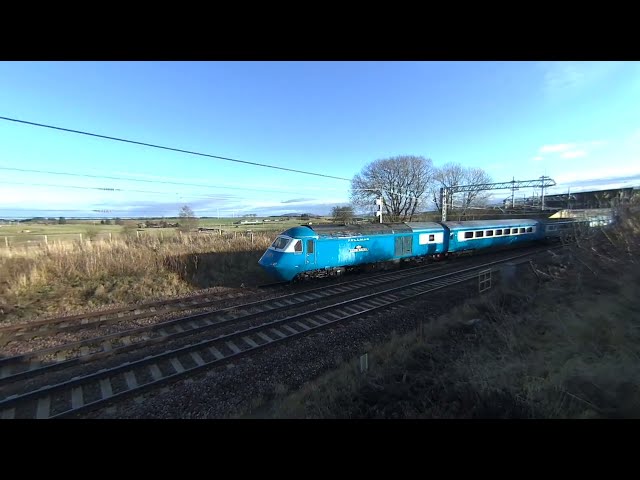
(80, 237)
(251, 238)
(364, 363)
(46, 242)
(420, 329)
(137, 234)
(508, 273)
(6, 241)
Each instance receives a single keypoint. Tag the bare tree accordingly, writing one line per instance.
(453, 174)
(449, 175)
(403, 182)
(187, 219)
(342, 214)
(477, 197)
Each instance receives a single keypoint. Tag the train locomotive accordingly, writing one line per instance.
(318, 250)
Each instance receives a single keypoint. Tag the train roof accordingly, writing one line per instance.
(301, 231)
(506, 222)
(333, 230)
(359, 230)
(419, 226)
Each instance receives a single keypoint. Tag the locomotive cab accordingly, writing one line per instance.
(285, 258)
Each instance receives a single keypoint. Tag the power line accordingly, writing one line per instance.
(108, 189)
(167, 182)
(170, 148)
(95, 214)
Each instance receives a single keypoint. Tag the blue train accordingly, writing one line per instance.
(330, 249)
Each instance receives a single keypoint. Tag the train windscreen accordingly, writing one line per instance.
(280, 243)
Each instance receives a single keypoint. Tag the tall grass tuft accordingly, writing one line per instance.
(63, 278)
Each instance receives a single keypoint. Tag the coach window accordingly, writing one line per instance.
(468, 234)
(522, 230)
(489, 233)
(309, 246)
(529, 229)
(298, 246)
(432, 238)
(507, 231)
(479, 234)
(498, 232)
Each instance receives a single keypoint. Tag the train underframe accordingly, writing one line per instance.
(369, 267)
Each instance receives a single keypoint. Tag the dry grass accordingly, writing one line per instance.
(563, 343)
(65, 278)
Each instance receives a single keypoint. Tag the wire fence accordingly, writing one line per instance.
(41, 240)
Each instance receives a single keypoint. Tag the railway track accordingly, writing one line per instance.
(31, 364)
(97, 388)
(266, 286)
(71, 323)
(28, 365)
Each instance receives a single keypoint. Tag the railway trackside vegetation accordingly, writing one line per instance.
(74, 277)
(563, 342)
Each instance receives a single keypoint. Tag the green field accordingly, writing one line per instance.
(38, 233)
(229, 224)
(41, 229)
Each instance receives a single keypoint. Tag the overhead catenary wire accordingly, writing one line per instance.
(132, 190)
(124, 140)
(167, 182)
(109, 189)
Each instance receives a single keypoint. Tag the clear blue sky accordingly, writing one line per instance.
(577, 122)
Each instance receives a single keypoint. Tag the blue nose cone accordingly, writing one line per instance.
(276, 264)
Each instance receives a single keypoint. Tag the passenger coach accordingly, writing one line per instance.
(478, 234)
(330, 249)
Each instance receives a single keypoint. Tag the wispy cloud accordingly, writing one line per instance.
(140, 208)
(561, 78)
(298, 200)
(562, 75)
(313, 208)
(302, 205)
(569, 150)
(606, 182)
(560, 147)
(573, 154)
(614, 172)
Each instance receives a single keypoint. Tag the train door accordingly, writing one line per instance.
(311, 252)
(403, 245)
